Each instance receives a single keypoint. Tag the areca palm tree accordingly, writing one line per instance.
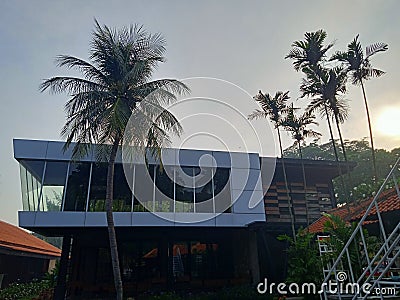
(359, 67)
(298, 127)
(309, 52)
(115, 83)
(327, 92)
(309, 56)
(274, 108)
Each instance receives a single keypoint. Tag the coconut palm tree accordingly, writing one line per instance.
(115, 83)
(359, 67)
(309, 56)
(297, 126)
(274, 108)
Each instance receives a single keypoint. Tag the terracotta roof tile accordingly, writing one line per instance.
(14, 238)
(388, 201)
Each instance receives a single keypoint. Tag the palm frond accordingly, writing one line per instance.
(90, 71)
(375, 48)
(71, 85)
(257, 114)
(372, 72)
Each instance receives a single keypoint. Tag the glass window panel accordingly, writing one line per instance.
(97, 196)
(184, 196)
(77, 186)
(138, 206)
(53, 185)
(122, 192)
(34, 167)
(222, 191)
(140, 261)
(32, 182)
(32, 192)
(164, 193)
(203, 190)
(24, 188)
(143, 188)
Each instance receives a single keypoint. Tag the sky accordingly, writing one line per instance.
(241, 42)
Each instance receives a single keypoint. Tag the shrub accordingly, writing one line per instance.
(22, 291)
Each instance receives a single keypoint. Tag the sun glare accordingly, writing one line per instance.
(388, 122)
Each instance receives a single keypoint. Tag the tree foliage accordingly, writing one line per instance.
(358, 151)
(304, 263)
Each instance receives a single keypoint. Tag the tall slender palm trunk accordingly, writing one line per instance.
(110, 221)
(343, 149)
(304, 183)
(335, 152)
(289, 198)
(370, 131)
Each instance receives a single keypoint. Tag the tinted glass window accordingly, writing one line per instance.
(184, 193)
(222, 192)
(203, 190)
(77, 186)
(53, 186)
(144, 187)
(164, 193)
(24, 188)
(122, 192)
(31, 178)
(98, 185)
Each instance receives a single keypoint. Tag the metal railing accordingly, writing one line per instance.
(376, 264)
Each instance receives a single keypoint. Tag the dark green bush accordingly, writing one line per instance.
(22, 291)
(30, 290)
(232, 293)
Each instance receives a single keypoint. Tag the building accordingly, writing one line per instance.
(222, 232)
(19, 249)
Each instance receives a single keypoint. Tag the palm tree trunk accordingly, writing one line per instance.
(344, 150)
(292, 221)
(335, 152)
(370, 131)
(110, 221)
(304, 183)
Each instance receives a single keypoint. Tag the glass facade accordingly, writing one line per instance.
(81, 186)
(31, 183)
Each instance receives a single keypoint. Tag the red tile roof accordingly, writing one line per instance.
(388, 201)
(14, 238)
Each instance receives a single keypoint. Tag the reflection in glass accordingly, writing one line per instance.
(203, 192)
(122, 200)
(222, 192)
(140, 261)
(97, 196)
(77, 186)
(143, 188)
(184, 196)
(53, 186)
(164, 193)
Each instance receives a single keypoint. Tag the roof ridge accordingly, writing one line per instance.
(29, 247)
